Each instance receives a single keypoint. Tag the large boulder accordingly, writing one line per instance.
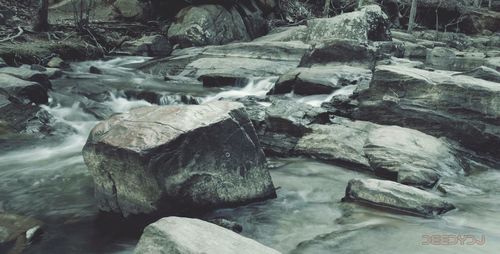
(187, 236)
(435, 102)
(154, 45)
(397, 197)
(369, 23)
(207, 25)
(320, 79)
(409, 156)
(177, 158)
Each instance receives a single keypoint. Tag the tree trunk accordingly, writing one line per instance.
(490, 3)
(413, 15)
(42, 19)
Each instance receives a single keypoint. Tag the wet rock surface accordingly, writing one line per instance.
(397, 197)
(226, 166)
(184, 235)
(438, 103)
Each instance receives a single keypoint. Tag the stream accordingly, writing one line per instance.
(49, 181)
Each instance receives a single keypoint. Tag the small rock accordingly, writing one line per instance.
(231, 225)
(57, 62)
(33, 233)
(95, 70)
(397, 197)
(187, 236)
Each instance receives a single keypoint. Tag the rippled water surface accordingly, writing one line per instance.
(49, 181)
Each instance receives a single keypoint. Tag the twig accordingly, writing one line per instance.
(10, 38)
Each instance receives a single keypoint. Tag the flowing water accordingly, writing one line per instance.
(50, 182)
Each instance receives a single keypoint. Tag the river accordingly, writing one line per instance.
(49, 181)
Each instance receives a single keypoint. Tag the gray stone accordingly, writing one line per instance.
(485, 73)
(154, 45)
(28, 74)
(177, 158)
(343, 142)
(494, 63)
(2, 63)
(369, 23)
(449, 59)
(57, 62)
(437, 103)
(188, 236)
(14, 232)
(207, 25)
(409, 156)
(129, 9)
(340, 52)
(22, 91)
(397, 197)
(320, 79)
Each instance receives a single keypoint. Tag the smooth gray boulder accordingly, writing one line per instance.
(438, 103)
(409, 156)
(26, 73)
(207, 25)
(188, 236)
(163, 159)
(154, 45)
(321, 79)
(396, 197)
(342, 142)
(22, 91)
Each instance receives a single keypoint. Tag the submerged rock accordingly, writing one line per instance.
(16, 232)
(397, 197)
(187, 236)
(177, 158)
(231, 225)
(438, 103)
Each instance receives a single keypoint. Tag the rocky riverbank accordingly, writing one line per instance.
(310, 138)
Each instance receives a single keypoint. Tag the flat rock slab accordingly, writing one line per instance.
(397, 197)
(321, 79)
(438, 103)
(188, 236)
(409, 156)
(177, 158)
